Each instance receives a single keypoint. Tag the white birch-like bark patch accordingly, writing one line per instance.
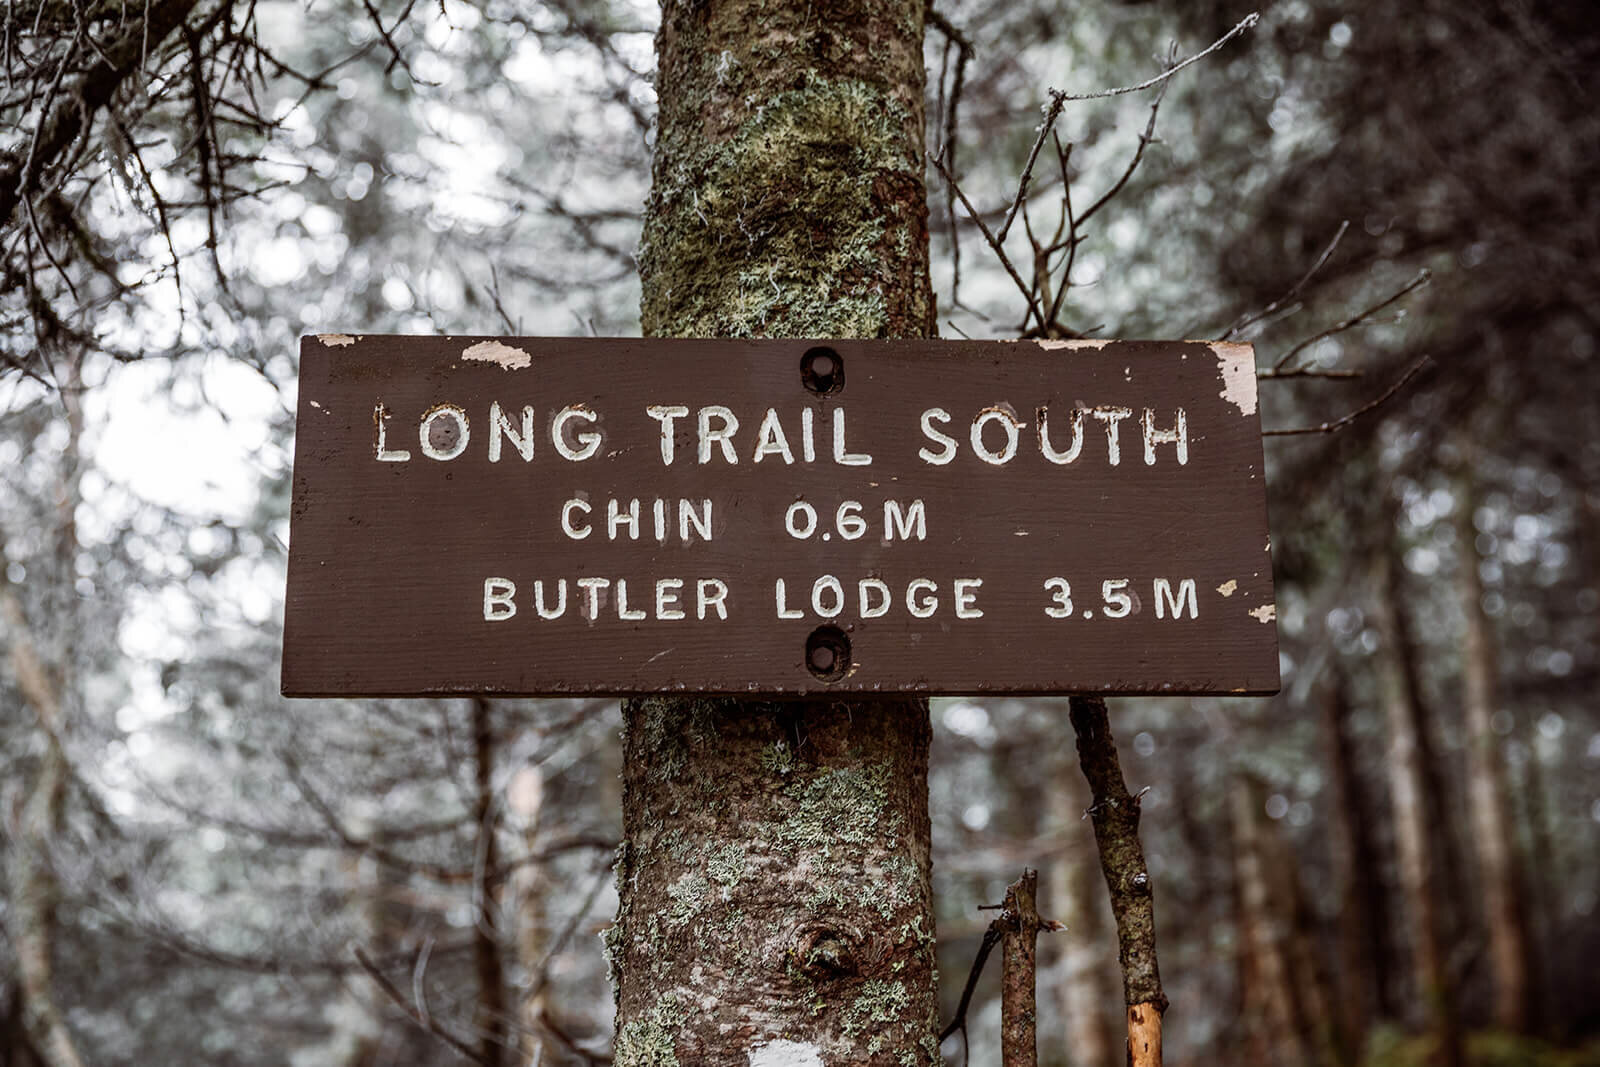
(785, 1054)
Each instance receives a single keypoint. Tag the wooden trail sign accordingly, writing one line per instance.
(548, 516)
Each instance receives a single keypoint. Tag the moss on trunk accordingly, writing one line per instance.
(774, 889)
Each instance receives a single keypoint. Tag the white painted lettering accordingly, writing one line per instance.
(687, 519)
(588, 441)
(866, 589)
(848, 521)
(425, 432)
(567, 527)
(1118, 603)
(1049, 450)
(1012, 431)
(722, 435)
(380, 416)
(781, 594)
(808, 435)
(659, 511)
(1062, 608)
(594, 587)
(497, 602)
(615, 518)
(830, 586)
(840, 454)
(770, 440)
(1178, 435)
(946, 443)
(561, 600)
(925, 606)
(800, 513)
(664, 414)
(1165, 598)
(1111, 416)
(500, 425)
(966, 594)
(623, 611)
(906, 522)
(667, 592)
(711, 593)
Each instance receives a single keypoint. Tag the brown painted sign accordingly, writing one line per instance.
(551, 516)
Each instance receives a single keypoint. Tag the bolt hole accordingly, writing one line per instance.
(822, 371)
(828, 653)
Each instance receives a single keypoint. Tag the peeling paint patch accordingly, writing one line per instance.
(1051, 346)
(1236, 365)
(1227, 588)
(785, 1054)
(1265, 613)
(336, 340)
(498, 352)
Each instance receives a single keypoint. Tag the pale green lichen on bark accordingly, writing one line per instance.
(797, 199)
(651, 1040)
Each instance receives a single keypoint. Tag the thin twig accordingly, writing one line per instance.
(1145, 140)
(1423, 277)
(1249, 319)
(994, 245)
(1340, 423)
(991, 938)
(1051, 114)
(1244, 24)
(428, 1025)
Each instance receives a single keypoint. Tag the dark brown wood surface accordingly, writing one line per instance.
(389, 557)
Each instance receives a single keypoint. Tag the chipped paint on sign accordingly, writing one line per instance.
(498, 352)
(1265, 613)
(1236, 365)
(1227, 587)
(1051, 346)
(785, 1054)
(336, 340)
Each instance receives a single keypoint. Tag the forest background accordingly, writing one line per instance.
(1395, 201)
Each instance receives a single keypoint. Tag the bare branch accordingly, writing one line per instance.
(1340, 423)
(1423, 277)
(994, 245)
(1249, 319)
(421, 1019)
(1244, 24)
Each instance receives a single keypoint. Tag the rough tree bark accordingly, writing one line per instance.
(774, 899)
(1504, 911)
(1115, 815)
(1419, 875)
(1019, 948)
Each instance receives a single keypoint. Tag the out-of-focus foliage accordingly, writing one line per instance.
(272, 169)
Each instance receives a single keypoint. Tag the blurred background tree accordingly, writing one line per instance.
(1394, 859)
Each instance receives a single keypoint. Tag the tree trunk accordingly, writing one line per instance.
(525, 802)
(1115, 814)
(1271, 1009)
(492, 1017)
(1085, 992)
(1419, 881)
(1504, 914)
(1365, 984)
(1019, 1015)
(42, 663)
(774, 897)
